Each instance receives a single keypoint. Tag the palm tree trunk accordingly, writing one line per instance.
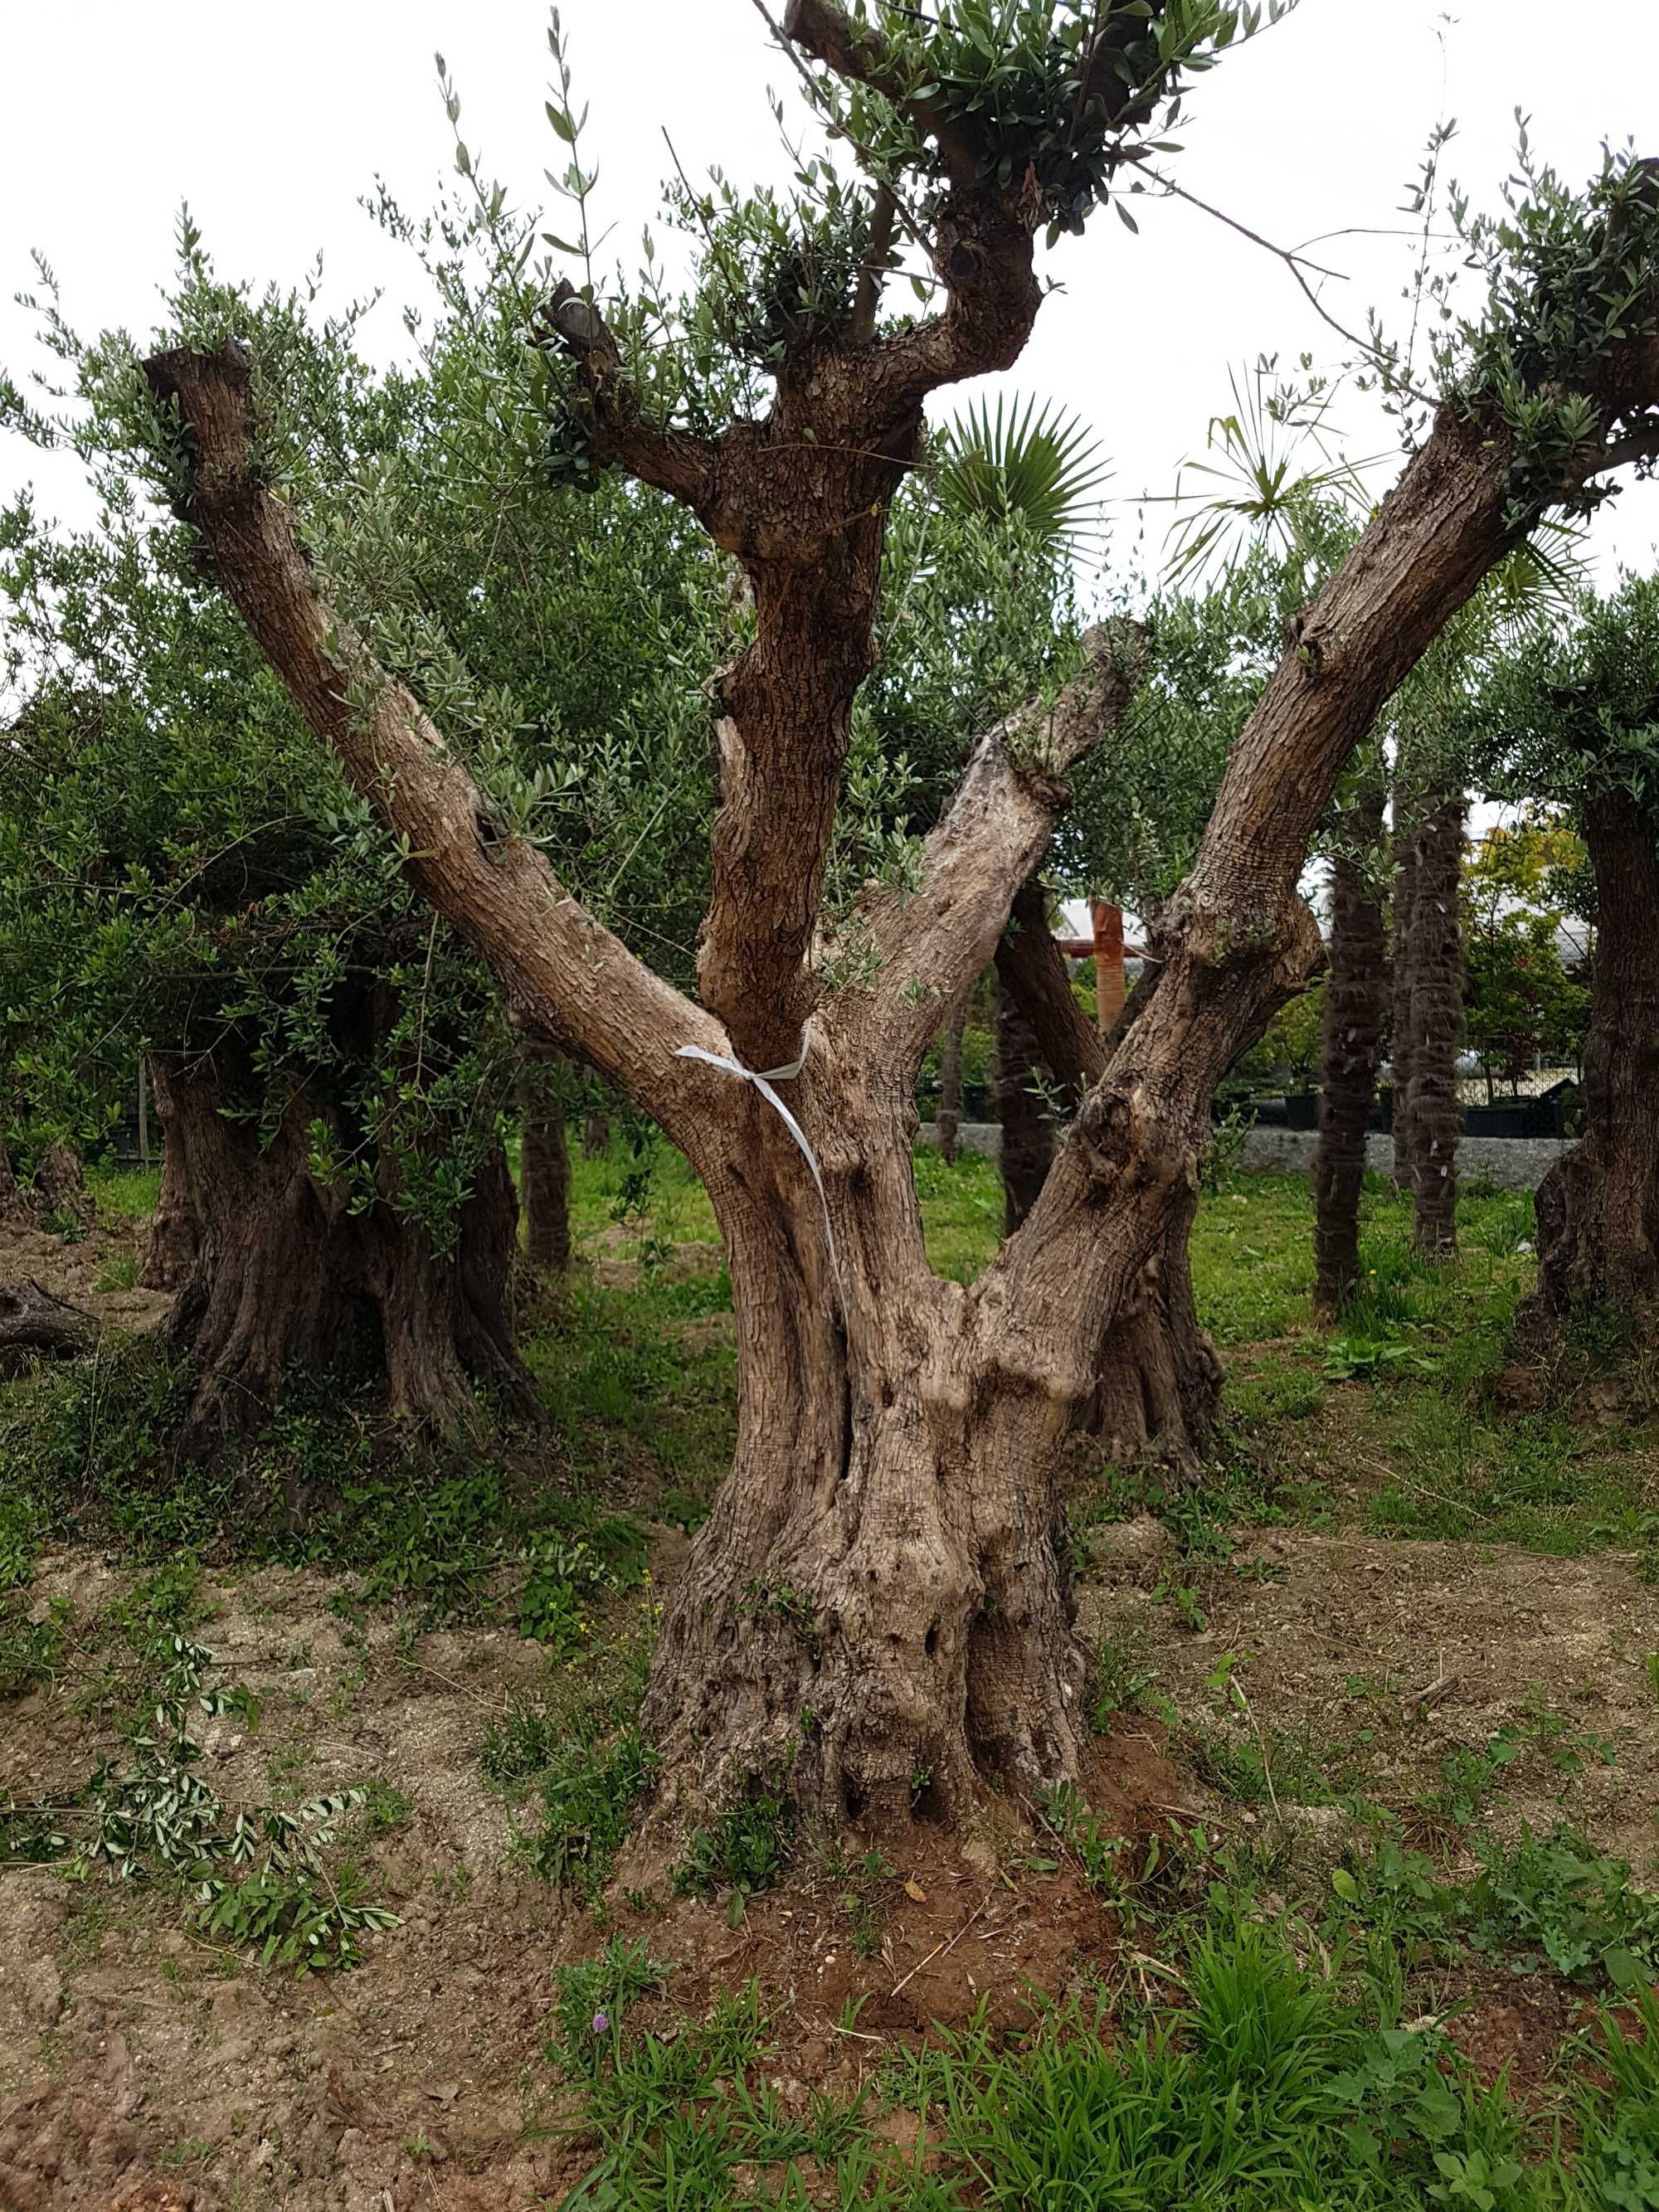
(1437, 1026)
(1355, 999)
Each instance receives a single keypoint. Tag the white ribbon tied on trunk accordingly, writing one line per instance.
(764, 1079)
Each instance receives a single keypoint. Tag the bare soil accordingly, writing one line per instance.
(143, 2066)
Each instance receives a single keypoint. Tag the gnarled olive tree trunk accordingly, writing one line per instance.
(1598, 1207)
(1351, 1048)
(285, 1280)
(874, 1616)
(1434, 952)
(877, 1607)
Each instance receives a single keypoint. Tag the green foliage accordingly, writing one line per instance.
(593, 2001)
(587, 1796)
(1549, 1904)
(1036, 468)
(257, 1878)
(744, 1850)
(31, 1651)
(1569, 280)
(1519, 998)
(1270, 2089)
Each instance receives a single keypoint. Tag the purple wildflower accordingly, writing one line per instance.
(600, 2023)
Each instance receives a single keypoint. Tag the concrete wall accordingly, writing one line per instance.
(1513, 1162)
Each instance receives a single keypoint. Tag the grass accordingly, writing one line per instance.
(122, 1195)
(1287, 2078)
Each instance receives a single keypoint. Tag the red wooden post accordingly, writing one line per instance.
(1109, 962)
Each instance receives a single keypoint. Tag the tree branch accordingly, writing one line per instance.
(930, 943)
(566, 975)
(860, 54)
(686, 468)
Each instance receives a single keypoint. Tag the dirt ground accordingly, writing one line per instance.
(143, 2066)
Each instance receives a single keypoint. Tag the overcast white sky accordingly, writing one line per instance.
(272, 121)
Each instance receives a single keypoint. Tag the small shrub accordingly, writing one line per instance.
(31, 1652)
(1121, 1679)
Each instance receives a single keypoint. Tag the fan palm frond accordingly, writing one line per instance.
(1277, 473)
(1042, 468)
(1540, 581)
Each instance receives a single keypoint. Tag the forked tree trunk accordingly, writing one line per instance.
(876, 1614)
(286, 1281)
(1598, 1207)
(875, 1618)
(1435, 953)
(1351, 1047)
(1399, 955)
(950, 1087)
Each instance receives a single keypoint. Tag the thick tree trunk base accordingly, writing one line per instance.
(875, 1619)
(288, 1284)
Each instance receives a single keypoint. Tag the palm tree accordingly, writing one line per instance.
(1034, 472)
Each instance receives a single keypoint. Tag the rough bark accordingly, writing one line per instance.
(948, 1117)
(545, 1176)
(1404, 894)
(288, 1281)
(170, 1248)
(1350, 1051)
(1435, 952)
(1598, 1207)
(875, 1616)
(1158, 1377)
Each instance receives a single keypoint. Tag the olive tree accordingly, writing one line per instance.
(1574, 718)
(876, 1615)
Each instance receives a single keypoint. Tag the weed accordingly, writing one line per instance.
(119, 1272)
(1551, 1902)
(31, 1651)
(587, 1796)
(745, 1851)
(381, 1807)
